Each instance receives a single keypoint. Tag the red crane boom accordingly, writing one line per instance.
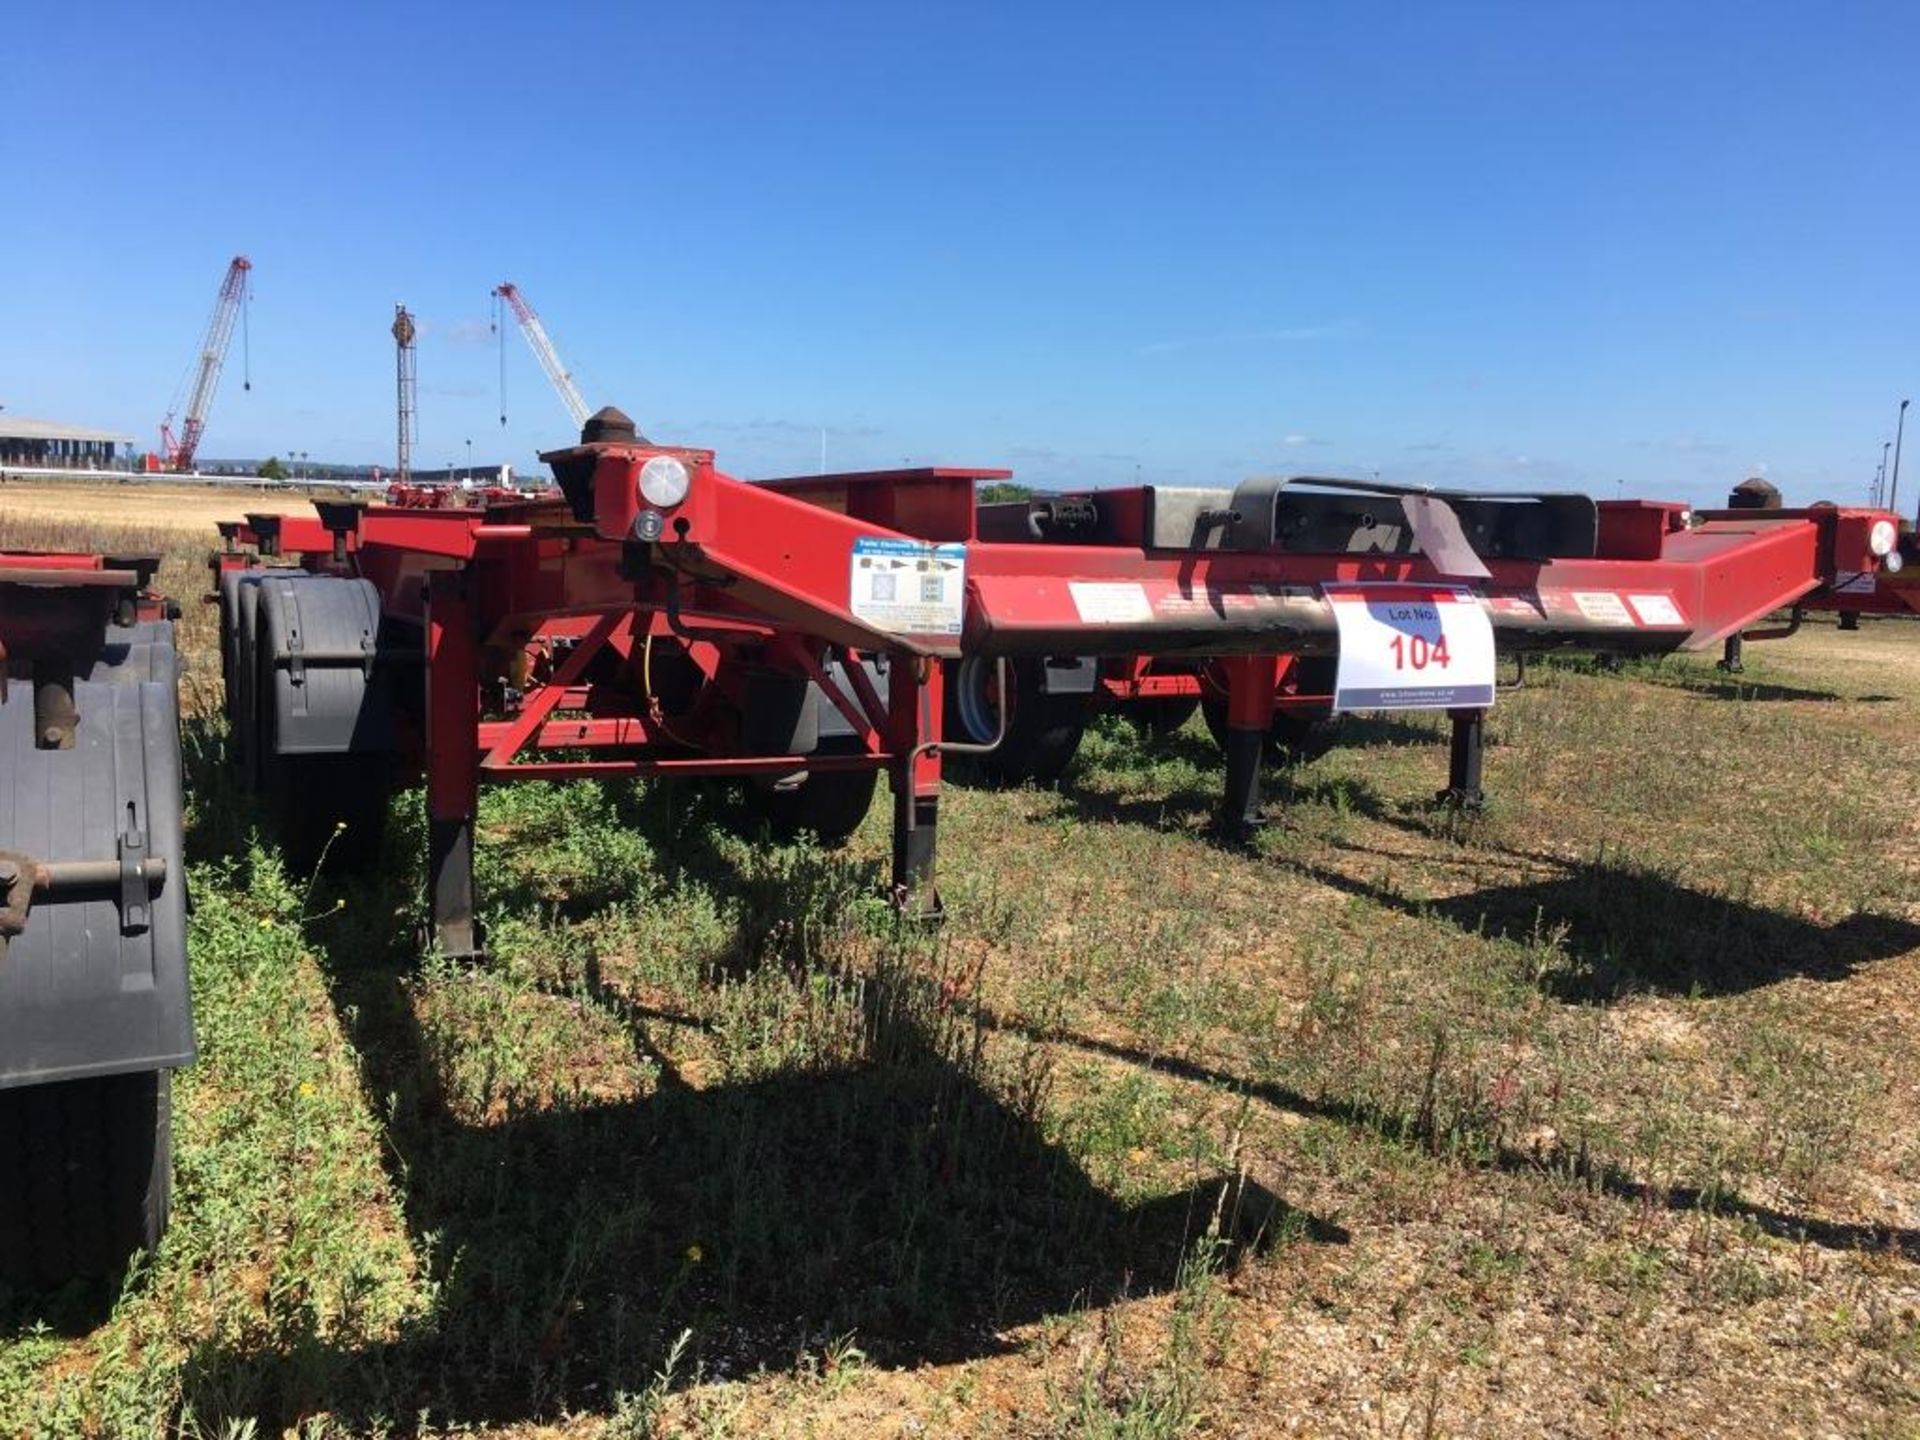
(177, 452)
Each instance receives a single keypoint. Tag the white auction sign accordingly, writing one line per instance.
(1411, 647)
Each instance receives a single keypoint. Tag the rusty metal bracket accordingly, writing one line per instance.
(134, 874)
(16, 892)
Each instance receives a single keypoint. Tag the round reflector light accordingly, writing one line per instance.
(664, 482)
(1881, 538)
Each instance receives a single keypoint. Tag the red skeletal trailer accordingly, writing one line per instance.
(655, 616)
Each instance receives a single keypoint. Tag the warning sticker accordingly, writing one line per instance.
(909, 587)
(1110, 602)
(1603, 607)
(1853, 582)
(1656, 610)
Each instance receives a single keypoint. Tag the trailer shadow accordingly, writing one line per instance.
(1758, 691)
(901, 1200)
(1195, 808)
(1600, 1175)
(1615, 930)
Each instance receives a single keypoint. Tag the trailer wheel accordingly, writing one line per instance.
(1296, 736)
(1161, 718)
(1043, 730)
(85, 1176)
(828, 803)
(243, 704)
(231, 656)
(327, 805)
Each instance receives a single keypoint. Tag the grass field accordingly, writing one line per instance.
(140, 505)
(1598, 1114)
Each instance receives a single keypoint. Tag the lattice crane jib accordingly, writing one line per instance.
(178, 450)
(543, 349)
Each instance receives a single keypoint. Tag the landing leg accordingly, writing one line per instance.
(1849, 619)
(453, 766)
(914, 707)
(450, 893)
(1250, 683)
(1730, 660)
(1463, 790)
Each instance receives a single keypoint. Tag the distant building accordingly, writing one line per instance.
(60, 447)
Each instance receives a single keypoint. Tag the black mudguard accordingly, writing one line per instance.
(91, 986)
(319, 636)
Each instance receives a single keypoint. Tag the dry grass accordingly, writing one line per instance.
(1591, 1116)
(140, 504)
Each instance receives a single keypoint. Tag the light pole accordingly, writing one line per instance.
(1880, 476)
(1893, 489)
(469, 460)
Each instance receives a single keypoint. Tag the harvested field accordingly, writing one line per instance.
(1592, 1115)
(139, 504)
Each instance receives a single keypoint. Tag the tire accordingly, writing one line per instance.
(243, 704)
(1042, 734)
(829, 804)
(320, 806)
(86, 1177)
(1161, 718)
(230, 583)
(1296, 737)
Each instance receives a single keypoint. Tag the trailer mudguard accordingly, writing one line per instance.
(829, 723)
(95, 982)
(319, 635)
(134, 654)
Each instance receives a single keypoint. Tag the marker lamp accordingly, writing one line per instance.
(664, 482)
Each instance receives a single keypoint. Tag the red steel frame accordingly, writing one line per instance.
(54, 605)
(520, 603)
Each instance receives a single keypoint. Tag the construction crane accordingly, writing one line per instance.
(177, 451)
(542, 346)
(404, 333)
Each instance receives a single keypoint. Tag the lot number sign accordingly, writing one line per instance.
(1411, 647)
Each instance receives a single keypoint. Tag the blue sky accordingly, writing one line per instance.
(1564, 246)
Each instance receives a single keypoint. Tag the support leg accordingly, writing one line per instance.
(450, 893)
(1849, 619)
(1730, 660)
(1250, 685)
(914, 706)
(1463, 761)
(453, 765)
